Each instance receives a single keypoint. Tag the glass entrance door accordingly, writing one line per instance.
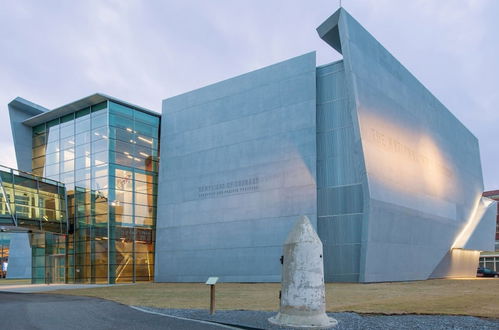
(56, 270)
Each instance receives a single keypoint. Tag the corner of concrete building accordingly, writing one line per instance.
(238, 169)
(20, 110)
(419, 191)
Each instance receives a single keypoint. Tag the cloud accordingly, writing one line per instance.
(7, 155)
(53, 52)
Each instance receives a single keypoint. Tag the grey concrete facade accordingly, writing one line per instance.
(20, 110)
(339, 177)
(390, 178)
(422, 181)
(20, 256)
(238, 167)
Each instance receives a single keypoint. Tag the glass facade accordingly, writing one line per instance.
(494, 194)
(32, 202)
(48, 258)
(490, 262)
(4, 254)
(107, 155)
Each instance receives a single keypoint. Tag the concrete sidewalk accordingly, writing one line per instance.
(32, 288)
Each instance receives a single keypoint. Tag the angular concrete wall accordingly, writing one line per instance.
(423, 179)
(340, 197)
(20, 110)
(19, 256)
(238, 167)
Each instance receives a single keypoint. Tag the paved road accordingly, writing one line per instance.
(50, 311)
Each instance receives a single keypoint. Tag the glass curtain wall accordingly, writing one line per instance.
(32, 202)
(48, 258)
(134, 146)
(107, 155)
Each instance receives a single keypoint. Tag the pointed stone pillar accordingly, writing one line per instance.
(303, 298)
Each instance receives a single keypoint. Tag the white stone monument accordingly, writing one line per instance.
(303, 298)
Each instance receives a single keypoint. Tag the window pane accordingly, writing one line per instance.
(53, 130)
(82, 174)
(123, 196)
(98, 171)
(83, 184)
(146, 130)
(145, 211)
(67, 118)
(123, 208)
(82, 150)
(67, 166)
(121, 122)
(67, 154)
(82, 162)
(122, 159)
(148, 119)
(38, 151)
(82, 124)
(99, 119)
(121, 134)
(100, 158)
(38, 162)
(115, 108)
(82, 138)
(67, 177)
(68, 142)
(100, 183)
(100, 106)
(52, 170)
(147, 141)
(99, 133)
(101, 207)
(39, 139)
(52, 147)
(144, 199)
(141, 221)
(67, 130)
(83, 113)
(143, 187)
(99, 145)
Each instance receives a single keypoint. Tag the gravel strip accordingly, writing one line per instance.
(258, 320)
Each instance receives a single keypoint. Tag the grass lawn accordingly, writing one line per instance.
(478, 297)
(7, 281)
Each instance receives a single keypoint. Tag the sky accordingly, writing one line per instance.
(54, 52)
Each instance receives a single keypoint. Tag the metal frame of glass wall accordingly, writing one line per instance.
(107, 155)
(30, 202)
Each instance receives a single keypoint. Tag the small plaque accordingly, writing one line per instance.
(212, 280)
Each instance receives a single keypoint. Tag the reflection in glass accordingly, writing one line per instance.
(107, 154)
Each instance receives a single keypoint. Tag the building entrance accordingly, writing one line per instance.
(56, 269)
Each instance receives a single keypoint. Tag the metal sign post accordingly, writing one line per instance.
(211, 282)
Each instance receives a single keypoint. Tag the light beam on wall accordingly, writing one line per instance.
(481, 206)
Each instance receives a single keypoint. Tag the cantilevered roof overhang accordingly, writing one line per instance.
(28, 107)
(78, 105)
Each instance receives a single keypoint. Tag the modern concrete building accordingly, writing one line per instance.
(389, 178)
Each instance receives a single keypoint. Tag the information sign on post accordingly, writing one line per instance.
(211, 282)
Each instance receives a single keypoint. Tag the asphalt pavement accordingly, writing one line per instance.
(51, 311)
